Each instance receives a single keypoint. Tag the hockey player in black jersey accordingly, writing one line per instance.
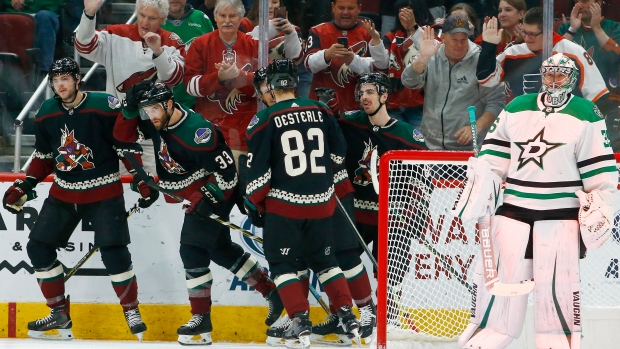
(195, 163)
(74, 142)
(293, 146)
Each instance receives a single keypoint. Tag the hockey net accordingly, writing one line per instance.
(427, 256)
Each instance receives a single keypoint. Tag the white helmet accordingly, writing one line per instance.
(559, 76)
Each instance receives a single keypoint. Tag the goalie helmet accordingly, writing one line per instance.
(281, 74)
(559, 76)
(381, 81)
(61, 67)
(260, 76)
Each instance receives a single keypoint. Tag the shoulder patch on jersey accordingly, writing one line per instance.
(350, 112)
(114, 102)
(202, 135)
(417, 135)
(597, 111)
(175, 37)
(253, 122)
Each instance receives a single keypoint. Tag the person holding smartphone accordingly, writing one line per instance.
(339, 66)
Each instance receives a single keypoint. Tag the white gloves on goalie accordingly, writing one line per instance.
(596, 216)
(481, 193)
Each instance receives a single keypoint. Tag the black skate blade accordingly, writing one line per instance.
(54, 335)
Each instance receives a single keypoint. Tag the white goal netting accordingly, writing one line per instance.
(425, 278)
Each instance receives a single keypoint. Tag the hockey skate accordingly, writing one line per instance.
(330, 333)
(58, 323)
(197, 331)
(368, 322)
(275, 333)
(136, 325)
(297, 336)
(275, 307)
(349, 322)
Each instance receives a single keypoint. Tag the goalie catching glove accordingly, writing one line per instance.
(148, 195)
(480, 193)
(17, 195)
(596, 216)
(204, 200)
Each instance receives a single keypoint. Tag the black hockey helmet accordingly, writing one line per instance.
(260, 76)
(64, 66)
(281, 74)
(158, 92)
(380, 80)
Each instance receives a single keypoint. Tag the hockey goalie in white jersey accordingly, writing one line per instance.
(560, 196)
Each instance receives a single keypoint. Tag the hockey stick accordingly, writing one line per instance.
(491, 276)
(366, 249)
(134, 209)
(151, 183)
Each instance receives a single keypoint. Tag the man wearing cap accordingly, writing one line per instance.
(448, 69)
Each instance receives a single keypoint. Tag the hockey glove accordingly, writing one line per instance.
(204, 200)
(596, 217)
(254, 216)
(131, 102)
(148, 195)
(20, 192)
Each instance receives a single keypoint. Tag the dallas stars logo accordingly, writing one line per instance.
(535, 149)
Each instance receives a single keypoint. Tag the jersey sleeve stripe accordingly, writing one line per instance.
(598, 171)
(550, 196)
(563, 184)
(497, 142)
(597, 159)
(495, 153)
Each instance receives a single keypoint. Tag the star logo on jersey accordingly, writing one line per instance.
(362, 173)
(534, 150)
(167, 161)
(341, 73)
(72, 153)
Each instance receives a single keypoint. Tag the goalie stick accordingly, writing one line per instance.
(151, 183)
(491, 275)
(134, 209)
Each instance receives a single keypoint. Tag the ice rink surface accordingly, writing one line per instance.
(84, 344)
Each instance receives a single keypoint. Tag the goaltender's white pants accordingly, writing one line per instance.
(496, 321)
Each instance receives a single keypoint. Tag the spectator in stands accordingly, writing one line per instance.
(448, 74)
(466, 11)
(220, 71)
(519, 66)
(207, 7)
(601, 37)
(47, 26)
(510, 15)
(131, 53)
(337, 66)
(405, 104)
(437, 8)
(188, 24)
(388, 14)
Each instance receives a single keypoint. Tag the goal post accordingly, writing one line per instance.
(427, 257)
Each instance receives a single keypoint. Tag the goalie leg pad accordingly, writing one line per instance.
(504, 321)
(557, 297)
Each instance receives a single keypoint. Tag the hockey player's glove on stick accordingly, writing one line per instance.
(134, 209)
(491, 278)
(204, 200)
(16, 196)
(148, 196)
(151, 183)
(254, 216)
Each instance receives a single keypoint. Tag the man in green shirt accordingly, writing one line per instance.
(188, 23)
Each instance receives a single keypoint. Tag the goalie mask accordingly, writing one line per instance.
(281, 74)
(158, 93)
(382, 85)
(559, 76)
(62, 67)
